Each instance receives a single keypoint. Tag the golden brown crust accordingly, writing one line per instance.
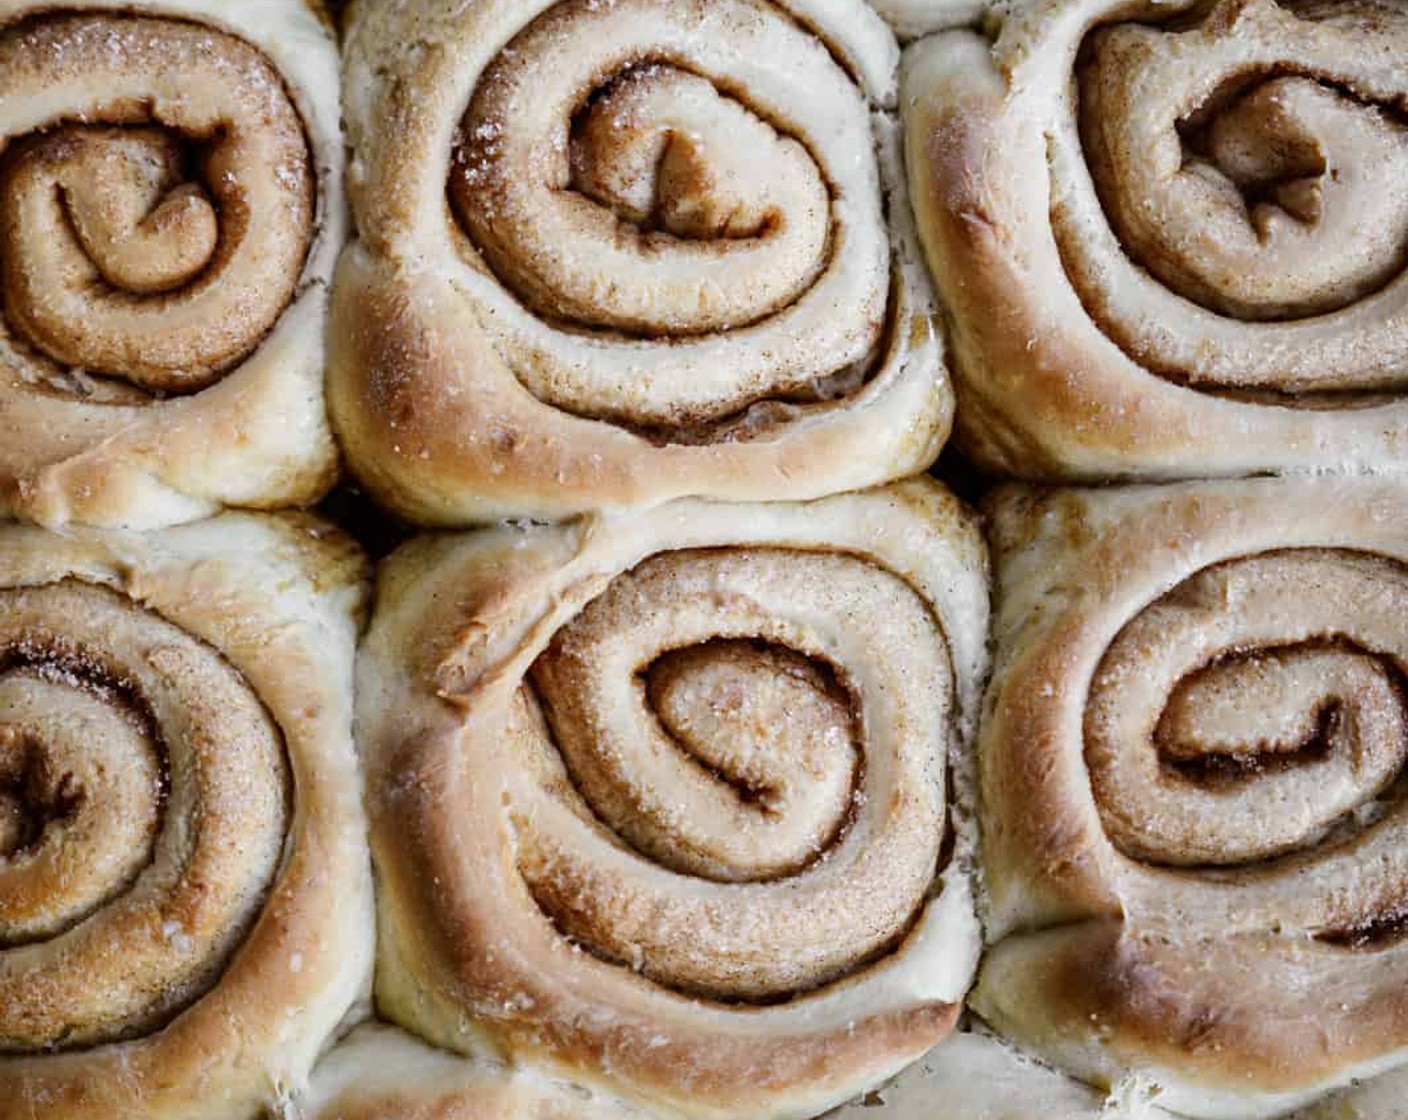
(1150, 271)
(1162, 1007)
(208, 971)
(1190, 760)
(168, 244)
(520, 911)
(738, 325)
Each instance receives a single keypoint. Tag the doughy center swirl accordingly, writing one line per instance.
(1252, 711)
(742, 753)
(143, 806)
(674, 212)
(614, 187)
(1251, 162)
(156, 198)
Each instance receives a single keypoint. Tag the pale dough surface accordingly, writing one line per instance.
(612, 255)
(186, 880)
(88, 434)
(1151, 271)
(637, 780)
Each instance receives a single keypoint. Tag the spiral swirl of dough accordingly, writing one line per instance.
(670, 207)
(185, 904)
(158, 241)
(165, 221)
(89, 774)
(1194, 772)
(677, 243)
(1305, 722)
(704, 755)
(1207, 243)
(1256, 189)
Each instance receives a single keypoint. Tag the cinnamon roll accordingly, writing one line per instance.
(1193, 786)
(613, 254)
(659, 799)
(378, 1073)
(185, 890)
(1170, 235)
(171, 210)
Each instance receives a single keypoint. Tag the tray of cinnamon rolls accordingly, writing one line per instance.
(704, 559)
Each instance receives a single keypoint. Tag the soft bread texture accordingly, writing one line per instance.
(378, 1073)
(1378, 1099)
(976, 1076)
(1165, 235)
(614, 254)
(659, 799)
(914, 18)
(185, 891)
(173, 207)
(1191, 784)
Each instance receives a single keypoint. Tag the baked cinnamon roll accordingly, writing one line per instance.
(185, 891)
(1171, 236)
(171, 209)
(661, 800)
(612, 254)
(1193, 790)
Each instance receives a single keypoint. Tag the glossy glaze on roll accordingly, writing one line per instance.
(613, 254)
(660, 800)
(171, 208)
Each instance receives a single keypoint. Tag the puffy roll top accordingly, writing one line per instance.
(185, 895)
(156, 226)
(708, 754)
(1168, 235)
(1193, 774)
(612, 254)
(171, 210)
(93, 880)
